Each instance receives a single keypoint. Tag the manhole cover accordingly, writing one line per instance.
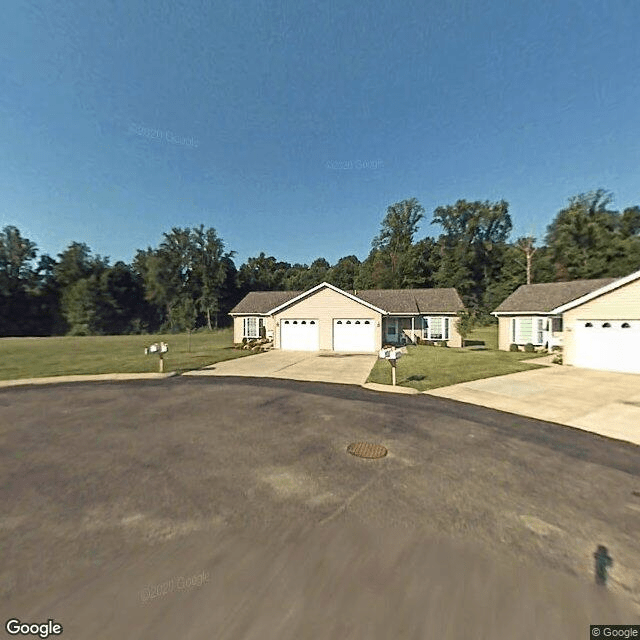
(367, 450)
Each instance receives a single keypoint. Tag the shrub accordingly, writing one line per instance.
(514, 347)
(557, 359)
(556, 348)
(244, 340)
(441, 343)
(529, 348)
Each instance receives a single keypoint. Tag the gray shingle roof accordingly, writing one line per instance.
(391, 300)
(263, 301)
(413, 300)
(544, 297)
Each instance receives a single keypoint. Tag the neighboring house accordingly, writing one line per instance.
(326, 318)
(597, 322)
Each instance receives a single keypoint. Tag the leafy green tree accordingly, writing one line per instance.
(74, 263)
(343, 273)
(465, 324)
(392, 260)
(80, 304)
(630, 222)
(210, 264)
(423, 262)
(472, 248)
(187, 271)
(584, 238)
(262, 273)
(17, 281)
(122, 307)
(78, 277)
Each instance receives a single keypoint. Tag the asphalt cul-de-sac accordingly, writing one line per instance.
(230, 508)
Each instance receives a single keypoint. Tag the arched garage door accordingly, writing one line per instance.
(610, 345)
(299, 335)
(356, 335)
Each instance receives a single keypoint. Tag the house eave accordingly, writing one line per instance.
(612, 286)
(524, 313)
(323, 285)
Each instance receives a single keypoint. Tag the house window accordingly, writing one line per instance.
(251, 327)
(539, 333)
(513, 330)
(556, 324)
(438, 328)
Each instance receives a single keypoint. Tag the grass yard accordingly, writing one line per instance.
(426, 368)
(59, 356)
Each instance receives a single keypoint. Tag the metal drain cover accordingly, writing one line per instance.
(367, 450)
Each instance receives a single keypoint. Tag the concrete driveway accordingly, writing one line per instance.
(297, 365)
(597, 401)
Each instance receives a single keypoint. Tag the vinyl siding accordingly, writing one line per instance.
(621, 304)
(526, 330)
(324, 306)
(238, 325)
(504, 332)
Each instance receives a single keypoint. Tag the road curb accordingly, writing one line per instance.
(374, 386)
(99, 377)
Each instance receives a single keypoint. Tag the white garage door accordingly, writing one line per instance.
(354, 335)
(611, 345)
(299, 335)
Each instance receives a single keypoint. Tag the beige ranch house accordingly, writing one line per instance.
(326, 318)
(596, 322)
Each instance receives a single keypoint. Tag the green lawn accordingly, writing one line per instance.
(426, 368)
(43, 357)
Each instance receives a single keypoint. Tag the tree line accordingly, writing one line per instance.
(190, 280)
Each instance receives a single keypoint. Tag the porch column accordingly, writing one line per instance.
(413, 331)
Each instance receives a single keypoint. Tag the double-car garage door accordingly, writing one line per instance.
(611, 345)
(349, 334)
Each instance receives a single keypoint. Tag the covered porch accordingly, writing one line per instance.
(407, 329)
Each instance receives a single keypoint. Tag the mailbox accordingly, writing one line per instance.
(161, 348)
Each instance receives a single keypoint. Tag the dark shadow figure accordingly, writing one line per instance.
(603, 562)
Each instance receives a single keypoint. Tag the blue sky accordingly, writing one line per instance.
(289, 127)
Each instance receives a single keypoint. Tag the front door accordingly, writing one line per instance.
(391, 332)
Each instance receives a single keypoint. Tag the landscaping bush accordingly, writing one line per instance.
(514, 347)
(244, 341)
(441, 343)
(557, 359)
(529, 348)
(556, 348)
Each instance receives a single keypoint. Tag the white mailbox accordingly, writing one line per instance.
(161, 348)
